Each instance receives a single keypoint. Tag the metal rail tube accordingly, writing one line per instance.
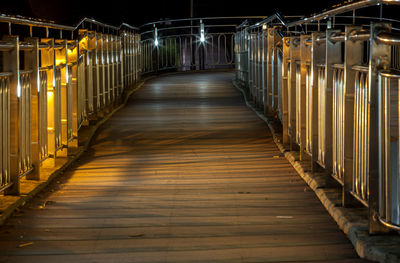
(31, 22)
(349, 6)
(360, 35)
(388, 38)
(337, 37)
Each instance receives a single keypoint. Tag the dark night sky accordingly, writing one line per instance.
(137, 12)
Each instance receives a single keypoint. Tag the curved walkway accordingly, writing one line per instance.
(184, 173)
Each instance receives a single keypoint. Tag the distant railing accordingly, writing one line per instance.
(332, 81)
(52, 85)
(189, 44)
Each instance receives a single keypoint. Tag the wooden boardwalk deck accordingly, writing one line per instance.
(184, 173)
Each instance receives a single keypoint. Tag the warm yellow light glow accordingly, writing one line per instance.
(60, 61)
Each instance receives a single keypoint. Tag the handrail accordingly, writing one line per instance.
(34, 22)
(337, 37)
(360, 35)
(342, 8)
(51, 25)
(200, 18)
(186, 27)
(388, 38)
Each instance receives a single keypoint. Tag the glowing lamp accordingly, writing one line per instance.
(202, 36)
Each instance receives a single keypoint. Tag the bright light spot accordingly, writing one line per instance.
(18, 90)
(156, 42)
(202, 38)
(38, 81)
(66, 74)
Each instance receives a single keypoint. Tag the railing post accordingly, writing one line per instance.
(61, 60)
(139, 54)
(100, 73)
(251, 65)
(270, 70)
(11, 64)
(94, 69)
(249, 72)
(294, 57)
(379, 60)
(32, 62)
(258, 71)
(73, 95)
(274, 41)
(333, 56)
(317, 58)
(114, 62)
(132, 64)
(121, 64)
(352, 56)
(284, 87)
(106, 71)
(48, 61)
(305, 55)
(112, 70)
(82, 115)
(84, 51)
(265, 68)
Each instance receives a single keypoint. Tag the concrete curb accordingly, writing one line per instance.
(22, 200)
(384, 249)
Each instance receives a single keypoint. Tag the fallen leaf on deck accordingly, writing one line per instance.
(26, 244)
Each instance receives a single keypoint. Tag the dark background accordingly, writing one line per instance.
(136, 12)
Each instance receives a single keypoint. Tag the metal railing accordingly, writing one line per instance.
(337, 98)
(51, 86)
(189, 44)
(330, 79)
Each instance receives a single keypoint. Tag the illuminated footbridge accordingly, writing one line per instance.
(229, 139)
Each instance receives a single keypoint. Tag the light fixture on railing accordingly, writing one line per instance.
(202, 36)
(155, 36)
